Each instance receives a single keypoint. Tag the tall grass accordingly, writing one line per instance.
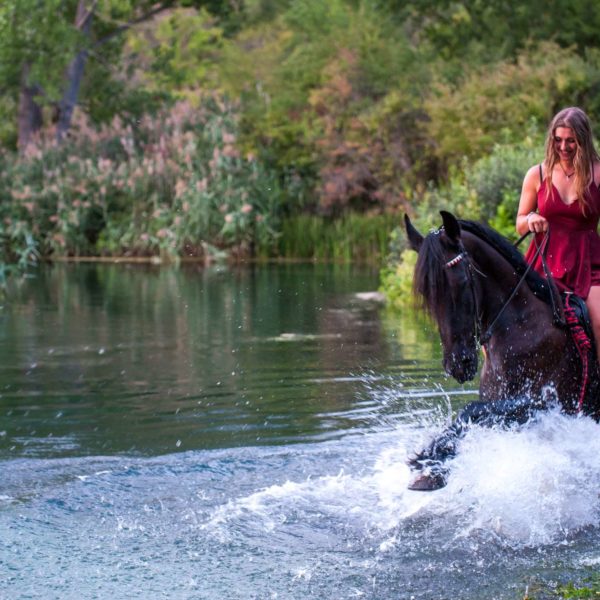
(351, 238)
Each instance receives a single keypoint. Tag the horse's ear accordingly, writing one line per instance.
(415, 239)
(451, 226)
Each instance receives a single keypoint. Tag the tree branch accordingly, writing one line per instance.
(87, 16)
(145, 17)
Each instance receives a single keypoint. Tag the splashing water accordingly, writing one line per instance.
(236, 450)
(525, 487)
(328, 520)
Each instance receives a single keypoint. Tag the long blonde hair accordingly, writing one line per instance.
(585, 155)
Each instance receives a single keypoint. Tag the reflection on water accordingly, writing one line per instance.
(243, 434)
(107, 359)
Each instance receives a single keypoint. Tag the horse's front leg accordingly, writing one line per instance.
(432, 459)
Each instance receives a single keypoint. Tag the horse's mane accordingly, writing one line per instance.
(537, 284)
(429, 281)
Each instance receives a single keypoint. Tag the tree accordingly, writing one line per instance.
(46, 47)
(34, 41)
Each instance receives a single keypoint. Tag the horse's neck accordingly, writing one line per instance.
(506, 297)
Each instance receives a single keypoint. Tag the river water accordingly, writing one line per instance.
(242, 434)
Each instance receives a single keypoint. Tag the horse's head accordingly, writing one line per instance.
(444, 283)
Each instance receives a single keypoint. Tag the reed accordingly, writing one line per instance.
(354, 237)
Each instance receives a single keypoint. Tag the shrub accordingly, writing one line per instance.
(172, 185)
(396, 280)
(488, 190)
(497, 102)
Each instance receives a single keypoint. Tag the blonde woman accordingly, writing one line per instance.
(562, 194)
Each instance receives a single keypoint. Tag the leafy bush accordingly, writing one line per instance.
(496, 102)
(396, 280)
(169, 186)
(488, 190)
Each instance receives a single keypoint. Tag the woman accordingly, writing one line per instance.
(562, 195)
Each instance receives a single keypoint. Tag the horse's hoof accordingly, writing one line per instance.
(428, 482)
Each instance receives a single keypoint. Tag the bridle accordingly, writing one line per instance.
(483, 337)
(463, 256)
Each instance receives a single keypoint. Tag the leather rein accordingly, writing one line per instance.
(463, 256)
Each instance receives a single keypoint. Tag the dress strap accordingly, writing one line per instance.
(541, 177)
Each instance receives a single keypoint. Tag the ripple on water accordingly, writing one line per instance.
(325, 520)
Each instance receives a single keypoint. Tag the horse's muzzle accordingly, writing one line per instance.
(462, 366)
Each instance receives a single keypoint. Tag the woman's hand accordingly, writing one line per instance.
(536, 223)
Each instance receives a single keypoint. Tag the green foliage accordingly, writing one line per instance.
(18, 249)
(478, 190)
(495, 181)
(570, 591)
(332, 91)
(335, 108)
(171, 186)
(39, 35)
(174, 51)
(498, 102)
(591, 589)
(39, 40)
(396, 280)
(354, 237)
(472, 31)
(488, 190)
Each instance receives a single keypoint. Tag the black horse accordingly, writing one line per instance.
(479, 290)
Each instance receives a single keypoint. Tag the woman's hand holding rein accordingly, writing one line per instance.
(536, 223)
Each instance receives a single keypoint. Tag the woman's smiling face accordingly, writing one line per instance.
(565, 144)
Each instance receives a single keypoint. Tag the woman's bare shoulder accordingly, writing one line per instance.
(532, 177)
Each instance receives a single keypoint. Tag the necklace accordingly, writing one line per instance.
(567, 175)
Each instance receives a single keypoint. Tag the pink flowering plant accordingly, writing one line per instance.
(170, 185)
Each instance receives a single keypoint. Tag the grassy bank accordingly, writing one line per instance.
(351, 238)
(172, 186)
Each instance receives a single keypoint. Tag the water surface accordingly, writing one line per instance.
(242, 433)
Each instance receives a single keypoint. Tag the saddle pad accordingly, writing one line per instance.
(581, 311)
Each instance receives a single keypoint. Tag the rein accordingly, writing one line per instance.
(563, 316)
(484, 337)
(558, 316)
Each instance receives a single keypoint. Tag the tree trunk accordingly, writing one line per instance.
(74, 75)
(29, 112)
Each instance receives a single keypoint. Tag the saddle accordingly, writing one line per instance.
(578, 321)
(580, 311)
(576, 307)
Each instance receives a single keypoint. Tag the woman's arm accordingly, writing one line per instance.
(527, 218)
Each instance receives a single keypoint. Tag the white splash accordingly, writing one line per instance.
(525, 487)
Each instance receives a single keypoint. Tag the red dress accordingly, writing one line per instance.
(573, 253)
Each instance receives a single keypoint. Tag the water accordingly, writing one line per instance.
(243, 434)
